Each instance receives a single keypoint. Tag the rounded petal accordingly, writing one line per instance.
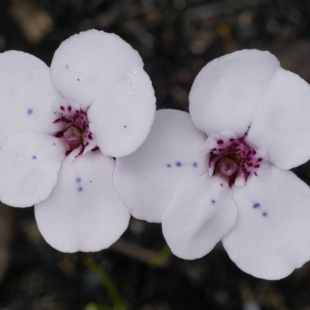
(26, 94)
(29, 164)
(122, 117)
(282, 123)
(84, 212)
(89, 61)
(201, 213)
(145, 180)
(272, 234)
(228, 90)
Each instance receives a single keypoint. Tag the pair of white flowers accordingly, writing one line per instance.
(77, 142)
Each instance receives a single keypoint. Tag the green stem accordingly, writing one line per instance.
(107, 282)
(161, 258)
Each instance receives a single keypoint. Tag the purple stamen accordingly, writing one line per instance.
(234, 159)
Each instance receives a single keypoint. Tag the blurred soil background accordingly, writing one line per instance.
(175, 39)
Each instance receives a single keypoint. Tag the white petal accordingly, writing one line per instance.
(200, 214)
(26, 94)
(228, 90)
(29, 164)
(84, 212)
(146, 179)
(282, 123)
(272, 234)
(122, 117)
(89, 61)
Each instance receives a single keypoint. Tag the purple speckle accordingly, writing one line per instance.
(69, 108)
(80, 189)
(29, 112)
(220, 141)
(168, 165)
(54, 143)
(195, 165)
(222, 184)
(178, 164)
(256, 205)
(34, 157)
(265, 214)
(78, 180)
(213, 201)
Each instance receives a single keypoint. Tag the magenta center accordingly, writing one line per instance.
(234, 158)
(75, 130)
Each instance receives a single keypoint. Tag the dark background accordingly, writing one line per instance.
(175, 39)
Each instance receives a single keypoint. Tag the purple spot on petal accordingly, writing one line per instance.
(222, 184)
(195, 164)
(265, 214)
(213, 201)
(29, 112)
(62, 108)
(168, 165)
(54, 143)
(256, 205)
(34, 157)
(220, 141)
(78, 180)
(178, 164)
(80, 189)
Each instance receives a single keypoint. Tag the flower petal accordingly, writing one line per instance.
(282, 123)
(84, 212)
(122, 117)
(200, 214)
(272, 234)
(26, 94)
(146, 179)
(89, 61)
(228, 90)
(29, 164)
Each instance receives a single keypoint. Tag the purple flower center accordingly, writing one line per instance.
(75, 131)
(234, 158)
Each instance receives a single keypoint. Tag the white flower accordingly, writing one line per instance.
(60, 129)
(234, 185)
